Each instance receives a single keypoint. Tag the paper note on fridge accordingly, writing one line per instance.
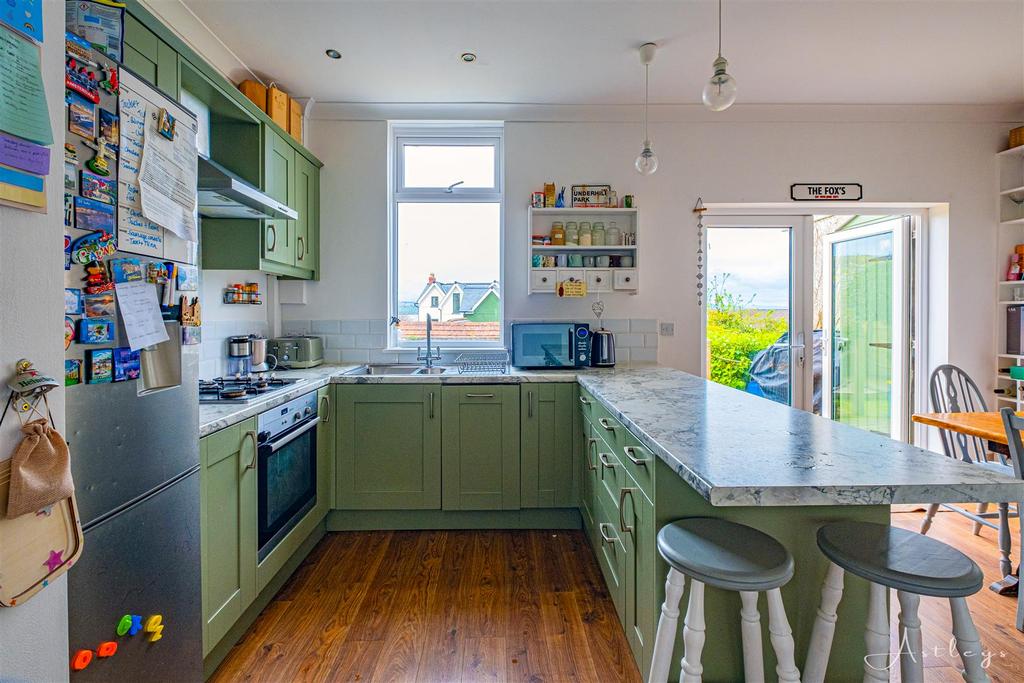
(167, 181)
(23, 109)
(140, 312)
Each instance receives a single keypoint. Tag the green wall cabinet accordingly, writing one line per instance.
(307, 203)
(388, 442)
(279, 183)
(228, 527)
(150, 57)
(549, 460)
(480, 454)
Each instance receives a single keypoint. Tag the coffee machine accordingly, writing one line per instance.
(239, 357)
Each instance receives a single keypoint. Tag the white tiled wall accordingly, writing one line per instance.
(364, 341)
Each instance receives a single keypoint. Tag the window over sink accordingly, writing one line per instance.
(445, 235)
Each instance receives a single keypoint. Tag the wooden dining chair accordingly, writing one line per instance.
(1013, 425)
(953, 391)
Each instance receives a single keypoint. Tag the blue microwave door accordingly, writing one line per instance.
(543, 346)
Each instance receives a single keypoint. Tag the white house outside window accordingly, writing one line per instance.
(446, 234)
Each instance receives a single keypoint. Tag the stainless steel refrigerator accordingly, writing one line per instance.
(135, 460)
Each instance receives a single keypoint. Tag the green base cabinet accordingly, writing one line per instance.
(641, 611)
(480, 447)
(549, 460)
(228, 527)
(388, 442)
(325, 400)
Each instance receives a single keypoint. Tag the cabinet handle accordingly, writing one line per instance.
(302, 246)
(272, 233)
(630, 453)
(591, 442)
(251, 434)
(479, 395)
(601, 529)
(604, 423)
(325, 406)
(622, 505)
(431, 395)
(605, 460)
(529, 403)
(584, 401)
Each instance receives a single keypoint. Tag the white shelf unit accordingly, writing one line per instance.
(1011, 232)
(600, 280)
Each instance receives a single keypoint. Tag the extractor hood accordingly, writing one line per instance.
(222, 194)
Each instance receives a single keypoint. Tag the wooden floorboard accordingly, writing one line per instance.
(439, 607)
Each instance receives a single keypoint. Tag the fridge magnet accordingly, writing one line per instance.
(69, 332)
(70, 153)
(93, 215)
(95, 331)
(165, 124)
(93, 247)
(191, 336)
(81, 116)
(188, 278)
(96, 278)
(100, 163)
(109, 82)
(72, 371)
(99, 305)
(99, 188)
(126, 270)
(99, 366)
(70, 177)
(110, 129)
(191, 312)
(80, 77)
(67, 237)
(72, 301)
(156, 273)
(127, 364)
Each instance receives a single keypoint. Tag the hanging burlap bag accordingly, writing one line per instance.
(40, 470)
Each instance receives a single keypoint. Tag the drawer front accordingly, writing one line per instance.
(543, 279)
(570, 274)
(610, 473)
(638, 461)
(625, 280)
(611, 551)
(599, 281)
(590, 481)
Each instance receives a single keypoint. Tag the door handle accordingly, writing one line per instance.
(584, 401)
(529, 403)
(325, 405)
(591, 442)
(629, 451)
(604, 537)
(302, 247)
(622, 506)
(604, 458)
(272, 232)
(431, 396)
(604, 423)
(251, 434)
(479, 395)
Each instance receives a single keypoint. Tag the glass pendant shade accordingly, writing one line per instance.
(720, 90)
(647, 162)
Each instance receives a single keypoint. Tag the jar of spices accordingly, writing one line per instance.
(612, 236)
(557, 233)
(586, 235)
(598, 235)
(572, 233)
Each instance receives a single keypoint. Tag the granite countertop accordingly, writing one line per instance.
(737, 449)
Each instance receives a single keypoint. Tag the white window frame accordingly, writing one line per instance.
(440, 133)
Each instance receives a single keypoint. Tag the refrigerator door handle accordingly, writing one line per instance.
(251, 434)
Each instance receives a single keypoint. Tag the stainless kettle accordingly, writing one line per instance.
(602, 348)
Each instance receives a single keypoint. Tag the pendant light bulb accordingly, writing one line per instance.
(647, 161)
(720, 91)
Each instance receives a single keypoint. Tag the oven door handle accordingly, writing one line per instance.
(292, 435)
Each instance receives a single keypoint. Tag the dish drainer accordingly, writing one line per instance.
(483, 363)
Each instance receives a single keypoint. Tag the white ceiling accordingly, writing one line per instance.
(562, 52)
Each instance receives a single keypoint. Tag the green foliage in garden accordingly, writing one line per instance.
(736, 333)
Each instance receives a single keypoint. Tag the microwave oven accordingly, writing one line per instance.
(550, 345)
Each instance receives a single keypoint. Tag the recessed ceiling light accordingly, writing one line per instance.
(332, 53)
(468, 57)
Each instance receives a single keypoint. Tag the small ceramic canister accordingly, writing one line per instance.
(588, 261)
(575, 260)
(562, 260)
(625, 262)
(602, 261)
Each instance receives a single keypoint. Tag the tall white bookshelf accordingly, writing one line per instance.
(1008, 391)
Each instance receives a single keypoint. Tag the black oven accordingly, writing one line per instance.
(287, 469)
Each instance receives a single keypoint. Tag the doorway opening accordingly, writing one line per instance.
(814, 311)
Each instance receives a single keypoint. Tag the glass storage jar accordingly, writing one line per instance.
(572, 233)
(612, 235)
(586, 235)
(557, 233)
(597, 235)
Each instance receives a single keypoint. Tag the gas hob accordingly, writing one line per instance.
(242, 389)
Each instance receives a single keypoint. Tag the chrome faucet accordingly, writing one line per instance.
(428, 358)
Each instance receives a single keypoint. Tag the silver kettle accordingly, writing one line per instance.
(602, 348)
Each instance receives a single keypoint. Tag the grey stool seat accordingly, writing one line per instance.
(725, 555)
(900, 559)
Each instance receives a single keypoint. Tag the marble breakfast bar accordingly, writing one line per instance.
(720, 452)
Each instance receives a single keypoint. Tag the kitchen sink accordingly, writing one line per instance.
(378, 369)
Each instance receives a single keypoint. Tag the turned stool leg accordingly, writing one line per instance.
(968, 644)
(824, 626)
(782, 638)
(876, 636)
(926, 523)
(1005, 566)
(664, 640)
(910, 648)
(693, 634)
(750, 625)
(982, 508)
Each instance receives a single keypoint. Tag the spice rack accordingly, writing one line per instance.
(247, 294)
(544, 279)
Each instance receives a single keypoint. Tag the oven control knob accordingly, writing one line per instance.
(308, 411)
(296, 417)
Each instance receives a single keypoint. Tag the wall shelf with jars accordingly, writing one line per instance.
(596, 245)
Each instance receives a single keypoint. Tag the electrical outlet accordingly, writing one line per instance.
(667, 329)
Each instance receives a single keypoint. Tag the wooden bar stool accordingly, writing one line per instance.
(732, 557)
(913, 565)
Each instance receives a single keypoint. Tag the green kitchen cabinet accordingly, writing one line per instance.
(228, 527)
(279, 183)
(480, 451)
(324, 453)
(637, 516)
(150, 57)
(549, 461)
(388, 443)
(307, 203)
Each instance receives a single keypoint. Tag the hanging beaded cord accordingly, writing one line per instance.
(699, 210)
